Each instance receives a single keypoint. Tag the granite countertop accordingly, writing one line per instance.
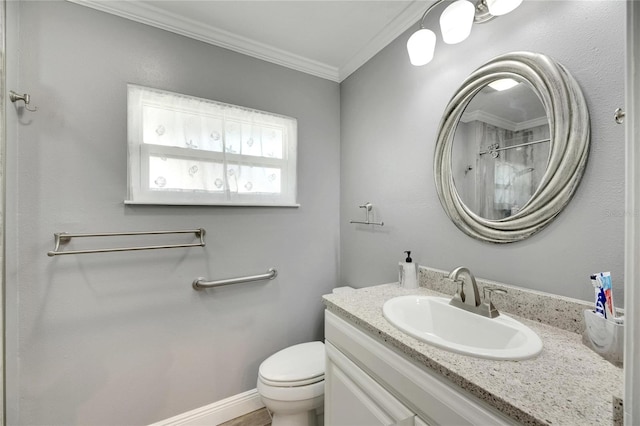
(567, 384)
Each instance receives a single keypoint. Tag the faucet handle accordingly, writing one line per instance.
(491, 290)
(487, 306)
(459, 288)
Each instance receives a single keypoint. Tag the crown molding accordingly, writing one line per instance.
(530, 124)
(494, 120)
(487, 117)
(409, 16)
(149, 15)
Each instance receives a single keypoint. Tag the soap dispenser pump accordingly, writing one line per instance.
(408, 273)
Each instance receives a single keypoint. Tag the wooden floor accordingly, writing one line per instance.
(260, 417)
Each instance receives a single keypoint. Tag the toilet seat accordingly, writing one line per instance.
(298, 365)
(292, 384)
(296, 393)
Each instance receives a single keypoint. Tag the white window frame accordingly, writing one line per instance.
(139, 191)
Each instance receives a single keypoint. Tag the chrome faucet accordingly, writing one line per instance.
(462, 275)
(460, 299)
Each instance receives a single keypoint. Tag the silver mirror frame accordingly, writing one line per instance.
(569, 130)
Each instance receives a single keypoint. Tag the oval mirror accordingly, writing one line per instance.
(512, 146)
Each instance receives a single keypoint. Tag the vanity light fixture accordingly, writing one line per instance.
(456, 21)
(455, 24)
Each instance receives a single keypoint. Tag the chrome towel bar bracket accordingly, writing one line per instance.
(62, 238)
(367, 208)
(201, 283)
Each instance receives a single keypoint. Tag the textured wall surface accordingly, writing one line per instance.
(122, 338)
(390, 113)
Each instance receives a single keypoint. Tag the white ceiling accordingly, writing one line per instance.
(330, 38)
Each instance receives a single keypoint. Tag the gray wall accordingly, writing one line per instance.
(122, 338)
(390, 112)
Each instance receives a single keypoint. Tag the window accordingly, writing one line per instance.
(188, 150)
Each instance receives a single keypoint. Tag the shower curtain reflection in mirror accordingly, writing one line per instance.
(496, 170)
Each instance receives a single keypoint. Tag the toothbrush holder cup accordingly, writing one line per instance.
(605, 336)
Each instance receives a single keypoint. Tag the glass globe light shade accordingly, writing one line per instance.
(502, 7)
(421, 46)
(456, 21)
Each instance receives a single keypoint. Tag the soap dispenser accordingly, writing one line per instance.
(408, 273)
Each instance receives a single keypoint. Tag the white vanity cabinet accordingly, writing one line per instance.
(367, 383)
(353, 398)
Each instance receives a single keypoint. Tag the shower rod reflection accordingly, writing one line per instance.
(62, 238)
(201, 283)
(492, 150)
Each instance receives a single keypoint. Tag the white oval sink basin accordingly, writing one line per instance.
(432, 320)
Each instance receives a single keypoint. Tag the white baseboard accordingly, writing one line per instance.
(218, 412)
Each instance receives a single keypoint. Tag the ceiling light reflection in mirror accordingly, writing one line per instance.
(503, 84)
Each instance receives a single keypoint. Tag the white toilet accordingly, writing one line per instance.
(291, 385)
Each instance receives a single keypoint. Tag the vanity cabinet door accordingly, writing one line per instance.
(353, 398)
(431, 398)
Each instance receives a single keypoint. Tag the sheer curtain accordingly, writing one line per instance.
(187, 150)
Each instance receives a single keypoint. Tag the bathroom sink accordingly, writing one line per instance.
(432, 320)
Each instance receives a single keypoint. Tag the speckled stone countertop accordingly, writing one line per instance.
(567, 384)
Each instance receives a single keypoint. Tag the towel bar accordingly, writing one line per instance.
(201, 283)
(62, 238)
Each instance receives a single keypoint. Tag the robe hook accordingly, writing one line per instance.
(14, 97)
